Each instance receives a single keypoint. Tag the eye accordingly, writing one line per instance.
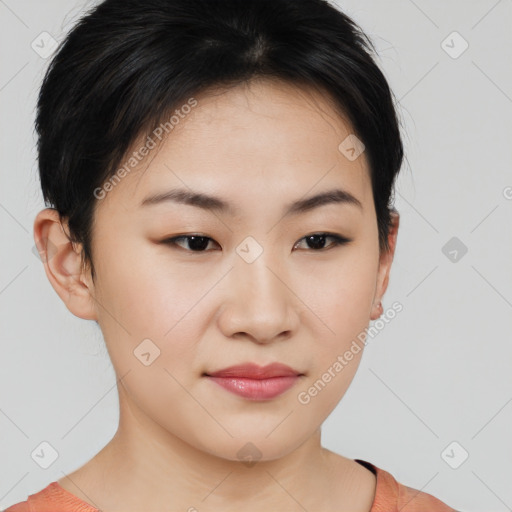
(198, 243)
(317, 240)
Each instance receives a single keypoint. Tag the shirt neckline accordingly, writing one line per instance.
(87, 507)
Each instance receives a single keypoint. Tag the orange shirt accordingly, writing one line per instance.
(390, 496)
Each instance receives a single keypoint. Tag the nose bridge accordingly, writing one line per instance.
(261, 303)
(257, 269)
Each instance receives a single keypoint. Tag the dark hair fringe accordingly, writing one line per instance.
(128, 63)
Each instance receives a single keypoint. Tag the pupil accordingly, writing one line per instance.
(317, 237)
(197, 243)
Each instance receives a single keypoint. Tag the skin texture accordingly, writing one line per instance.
(259, 146)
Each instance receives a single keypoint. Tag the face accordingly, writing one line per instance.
(258, 283)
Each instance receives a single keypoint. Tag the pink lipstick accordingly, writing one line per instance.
(256, 382)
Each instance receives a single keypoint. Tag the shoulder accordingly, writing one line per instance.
(392, 496)
(22, 506)
(53, 498)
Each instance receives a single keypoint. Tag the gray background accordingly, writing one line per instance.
(439, 372)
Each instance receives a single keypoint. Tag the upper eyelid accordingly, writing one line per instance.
(199, 235)
(339, 239)
(186, 235)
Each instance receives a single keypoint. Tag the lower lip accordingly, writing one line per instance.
(256, 389)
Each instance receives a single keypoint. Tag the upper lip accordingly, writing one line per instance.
(254, 371)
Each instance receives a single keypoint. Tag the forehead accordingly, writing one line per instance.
(262, 137)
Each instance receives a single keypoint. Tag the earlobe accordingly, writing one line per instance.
(386, 259)
(63, 264)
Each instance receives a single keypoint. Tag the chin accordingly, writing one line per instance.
(250, 449)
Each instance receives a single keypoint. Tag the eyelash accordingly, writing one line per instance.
(338, 240)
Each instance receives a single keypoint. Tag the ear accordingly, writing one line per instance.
(63, 264)
(386, 259)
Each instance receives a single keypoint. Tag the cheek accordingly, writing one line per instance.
(342, 305)
(341, 296)
(143, 298)
(341, 292)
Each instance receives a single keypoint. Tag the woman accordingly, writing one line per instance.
(219, 176)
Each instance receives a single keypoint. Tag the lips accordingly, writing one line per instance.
(253, 371)
(255, 382)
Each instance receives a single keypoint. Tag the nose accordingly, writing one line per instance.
(260, 304)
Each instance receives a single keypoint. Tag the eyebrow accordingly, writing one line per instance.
(212, 203)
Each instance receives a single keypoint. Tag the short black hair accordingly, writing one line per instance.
(127, 64)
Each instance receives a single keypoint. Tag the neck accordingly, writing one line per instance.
(145, 467)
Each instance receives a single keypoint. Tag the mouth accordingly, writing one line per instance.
(255, 382)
